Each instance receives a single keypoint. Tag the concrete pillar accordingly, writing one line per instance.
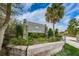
(25, 29)
(46, 32)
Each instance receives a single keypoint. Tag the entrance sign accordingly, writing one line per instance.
(35, 27)
(31, 27)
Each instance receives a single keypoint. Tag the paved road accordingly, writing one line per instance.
(72, 41)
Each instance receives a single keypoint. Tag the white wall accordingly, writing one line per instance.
(35, 27)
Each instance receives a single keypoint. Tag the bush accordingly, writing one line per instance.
(30, 40)
(54, 37)
(41, 40)
(19, 41)
(50, 33)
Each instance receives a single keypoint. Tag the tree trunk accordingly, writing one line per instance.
(5, 24)
(2, 31)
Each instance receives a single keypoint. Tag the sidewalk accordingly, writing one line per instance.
(73, 42)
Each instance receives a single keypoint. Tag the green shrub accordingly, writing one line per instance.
(50, 32)
(30, 40)
(41, 40)
(55, 38)
(19, 41)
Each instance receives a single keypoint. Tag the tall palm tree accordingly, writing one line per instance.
(54, 14)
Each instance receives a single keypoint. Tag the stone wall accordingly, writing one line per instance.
(16, 50)
(37, 50)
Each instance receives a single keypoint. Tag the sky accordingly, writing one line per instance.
(35, 12)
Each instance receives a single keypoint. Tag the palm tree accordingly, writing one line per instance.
(54, 14)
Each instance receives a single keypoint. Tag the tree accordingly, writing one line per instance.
(10, 32)
(50, 32)
(72, 27)
(7, 13)
(56, 32)
(54, 14)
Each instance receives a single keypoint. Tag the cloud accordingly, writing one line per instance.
(77, 17)
(37, 16)
(73, 8)
(60, 27)
(65, 20)
(69, 7)
(27, 6)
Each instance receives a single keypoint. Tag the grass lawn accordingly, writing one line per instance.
(68, 51)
